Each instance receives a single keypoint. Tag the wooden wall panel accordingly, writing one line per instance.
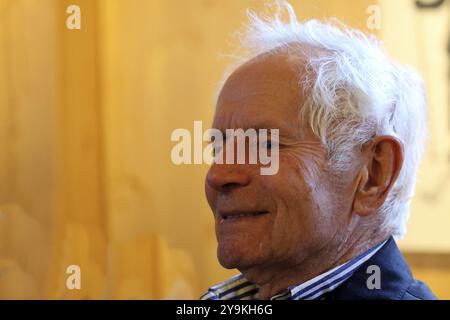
(82, 218)
(27, 110)
(85, 121)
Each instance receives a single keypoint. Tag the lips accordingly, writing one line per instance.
(239, 215)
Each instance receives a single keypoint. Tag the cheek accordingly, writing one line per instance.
(293, 192)
(307, 162)
(304, 197)
(300, 175)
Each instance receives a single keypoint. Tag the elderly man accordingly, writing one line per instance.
(352, 129)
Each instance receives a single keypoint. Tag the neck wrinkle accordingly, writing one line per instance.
(274, 283)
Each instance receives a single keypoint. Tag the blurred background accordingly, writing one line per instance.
(86, 116)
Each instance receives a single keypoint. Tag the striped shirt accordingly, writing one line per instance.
(239, 288)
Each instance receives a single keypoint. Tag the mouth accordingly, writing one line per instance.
(240, 215)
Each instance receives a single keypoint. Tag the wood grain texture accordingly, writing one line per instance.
(85, 121)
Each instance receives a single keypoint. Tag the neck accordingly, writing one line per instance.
(276, 278)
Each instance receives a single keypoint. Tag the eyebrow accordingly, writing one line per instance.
(258, 126)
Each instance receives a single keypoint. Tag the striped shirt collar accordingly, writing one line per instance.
(239, 288)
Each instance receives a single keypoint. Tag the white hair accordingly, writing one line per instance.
(354, 92)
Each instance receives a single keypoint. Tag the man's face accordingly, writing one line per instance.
(294, 213)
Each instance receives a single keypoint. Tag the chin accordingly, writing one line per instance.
(229, 256)
(233, 257)
(227, 263)
(228, 260)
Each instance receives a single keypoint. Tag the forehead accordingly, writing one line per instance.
(263, 92)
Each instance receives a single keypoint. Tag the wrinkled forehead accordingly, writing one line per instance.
(266, 89)
(266, 76)
(286, 65)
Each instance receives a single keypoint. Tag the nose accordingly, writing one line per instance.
(224, 177)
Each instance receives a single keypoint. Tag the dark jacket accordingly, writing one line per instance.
(397, 282)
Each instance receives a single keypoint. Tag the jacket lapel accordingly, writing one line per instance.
(395, 275)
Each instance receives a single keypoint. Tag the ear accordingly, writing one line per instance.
(382, 162)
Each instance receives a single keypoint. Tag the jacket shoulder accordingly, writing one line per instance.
(396, 279)
(418, 290)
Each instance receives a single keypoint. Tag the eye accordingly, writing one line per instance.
(216, 142)
(216, 148)
(269, 144)
(266, 144)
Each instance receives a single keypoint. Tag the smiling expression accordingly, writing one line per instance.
(287, 217)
